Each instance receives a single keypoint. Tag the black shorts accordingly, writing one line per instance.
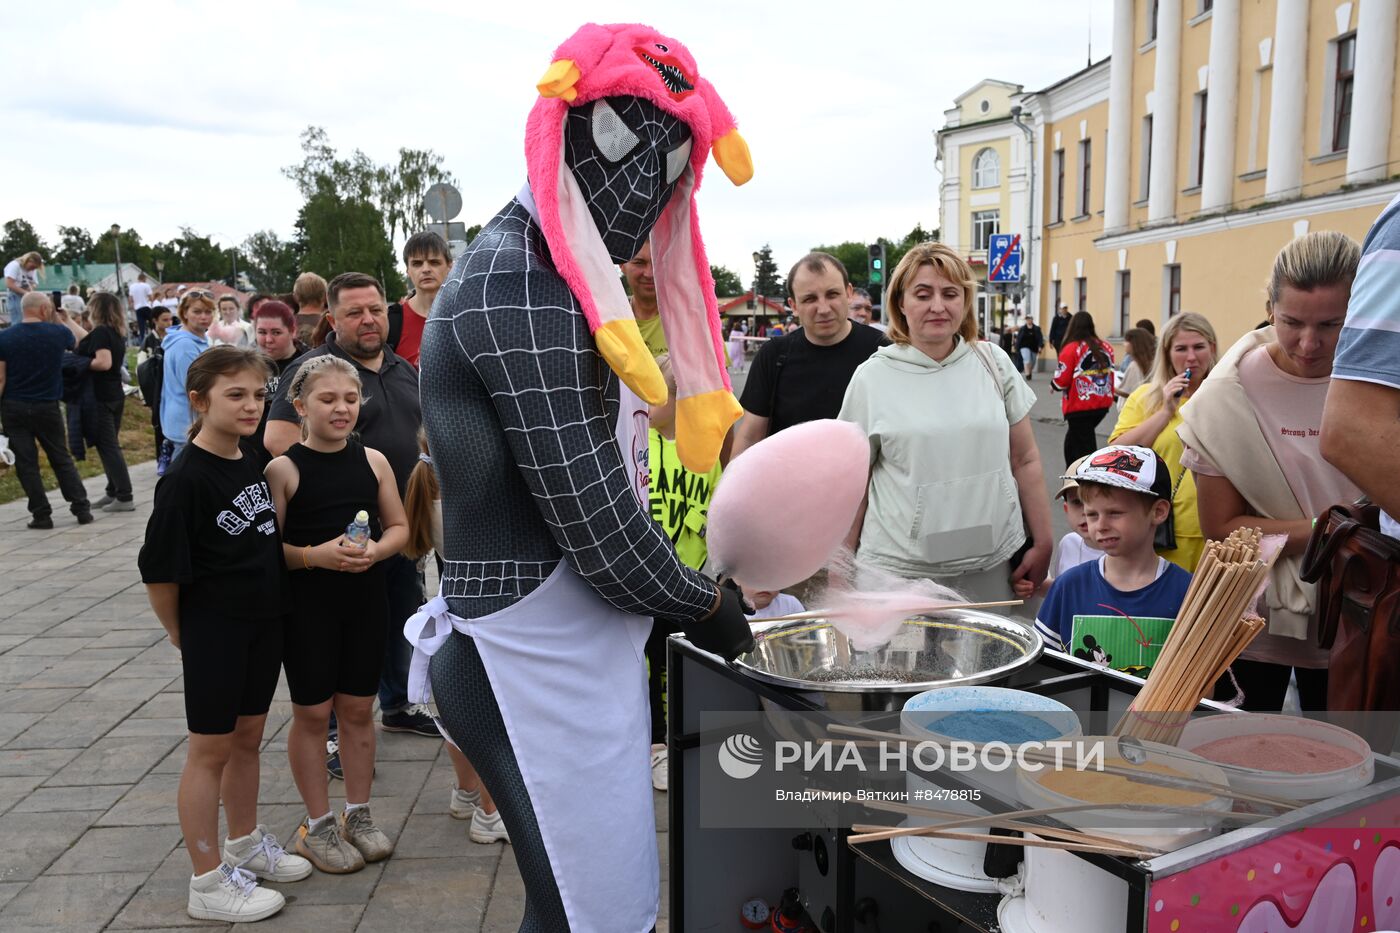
(231, 668)
(334, 639)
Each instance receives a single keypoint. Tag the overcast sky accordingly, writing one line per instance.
(191, 109)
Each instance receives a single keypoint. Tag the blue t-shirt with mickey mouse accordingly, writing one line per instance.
(1083, 591)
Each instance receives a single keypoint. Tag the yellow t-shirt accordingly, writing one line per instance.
(652, 335)
(1190, 540)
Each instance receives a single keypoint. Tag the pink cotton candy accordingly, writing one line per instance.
(786, 504)
(872, 613)
(871, 619)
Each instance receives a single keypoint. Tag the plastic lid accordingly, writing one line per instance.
(362, 517)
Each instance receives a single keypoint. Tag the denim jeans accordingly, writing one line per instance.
(1027, 357)
(109, 419)
(29, 426)
(12, 300)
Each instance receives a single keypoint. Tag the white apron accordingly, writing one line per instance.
(569, 674)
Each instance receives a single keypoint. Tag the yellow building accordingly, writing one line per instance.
(1169, 175)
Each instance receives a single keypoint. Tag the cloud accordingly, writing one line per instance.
(192, 109)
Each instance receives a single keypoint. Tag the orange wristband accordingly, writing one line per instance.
(306, 565)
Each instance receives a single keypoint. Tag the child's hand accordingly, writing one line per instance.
(351, 559)
(1023, 589)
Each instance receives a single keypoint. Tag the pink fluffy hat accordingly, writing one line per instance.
(637, 61)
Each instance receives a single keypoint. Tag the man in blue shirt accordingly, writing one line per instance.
(31, 383)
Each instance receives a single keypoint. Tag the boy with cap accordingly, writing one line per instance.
(1126, 492)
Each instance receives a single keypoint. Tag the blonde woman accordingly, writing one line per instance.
(21, 276)
(955, 475)
(1151, 415)
(1253, 444)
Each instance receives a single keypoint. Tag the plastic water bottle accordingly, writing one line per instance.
(357, 532)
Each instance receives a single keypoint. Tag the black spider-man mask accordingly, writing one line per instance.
(626, 155)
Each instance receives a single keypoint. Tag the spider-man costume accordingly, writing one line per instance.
(553, 567)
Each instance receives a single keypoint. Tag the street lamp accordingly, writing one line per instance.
(116, 232)
(757, 289)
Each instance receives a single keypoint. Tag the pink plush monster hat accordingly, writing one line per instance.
(637, 61)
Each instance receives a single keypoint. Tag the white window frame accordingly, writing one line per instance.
(1328, 122)
(1085, 175)
(981, 168)
(1198, 115)
(1057, 186)
(981, 238)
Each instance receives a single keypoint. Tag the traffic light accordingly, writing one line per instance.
(877, 265)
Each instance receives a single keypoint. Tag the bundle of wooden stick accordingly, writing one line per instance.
(1211, 630)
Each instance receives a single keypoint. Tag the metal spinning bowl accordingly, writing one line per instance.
(960, 646)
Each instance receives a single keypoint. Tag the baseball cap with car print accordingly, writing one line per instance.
(1138, 469)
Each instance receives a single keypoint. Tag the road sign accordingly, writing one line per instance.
(1004, 258)
(442, 202)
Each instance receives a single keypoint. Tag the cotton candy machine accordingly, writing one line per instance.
(957, 647)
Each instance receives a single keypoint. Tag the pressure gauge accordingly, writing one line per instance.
(755, 913)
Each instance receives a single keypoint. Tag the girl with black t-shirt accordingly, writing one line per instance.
(335, 635)
(106, 345)
(213, 567)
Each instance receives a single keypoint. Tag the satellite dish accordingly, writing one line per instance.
(442, 202)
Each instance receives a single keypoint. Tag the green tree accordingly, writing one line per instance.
(727, 282)
(20, 237)
(766, 280)
(401, 189)
(894, 252)
(271, 262)
(854, 256)
(75, 246)
(133, 249)
(190, 257)
(395, 190)
(336, 234)
(472, 231)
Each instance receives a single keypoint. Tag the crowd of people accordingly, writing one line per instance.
(277, 441)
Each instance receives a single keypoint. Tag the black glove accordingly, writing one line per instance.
(725, 631)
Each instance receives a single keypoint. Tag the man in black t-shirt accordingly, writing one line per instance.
(802, 376)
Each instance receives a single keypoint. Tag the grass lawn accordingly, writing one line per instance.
(136, 435)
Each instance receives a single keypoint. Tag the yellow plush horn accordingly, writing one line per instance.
(559, 80)
(732, 154)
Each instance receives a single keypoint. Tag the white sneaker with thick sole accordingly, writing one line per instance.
(261, 855)
(464, 803)
(487, 828)
(659, 767)
(231, 895)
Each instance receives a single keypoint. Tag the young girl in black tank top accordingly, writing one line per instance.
(334, 642)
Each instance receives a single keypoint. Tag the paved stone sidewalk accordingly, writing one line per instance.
(92, 736)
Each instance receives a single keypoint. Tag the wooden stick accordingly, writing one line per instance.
(998, 821)
(1230, 816)
(877, 834)
(822, 614)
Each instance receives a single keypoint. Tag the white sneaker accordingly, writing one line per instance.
(231, 895)
(659, 767)
(487, 827)
(259, 854)
(464, 803)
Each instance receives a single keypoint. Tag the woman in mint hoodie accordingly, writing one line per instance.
(956, 493)
(181, 346)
